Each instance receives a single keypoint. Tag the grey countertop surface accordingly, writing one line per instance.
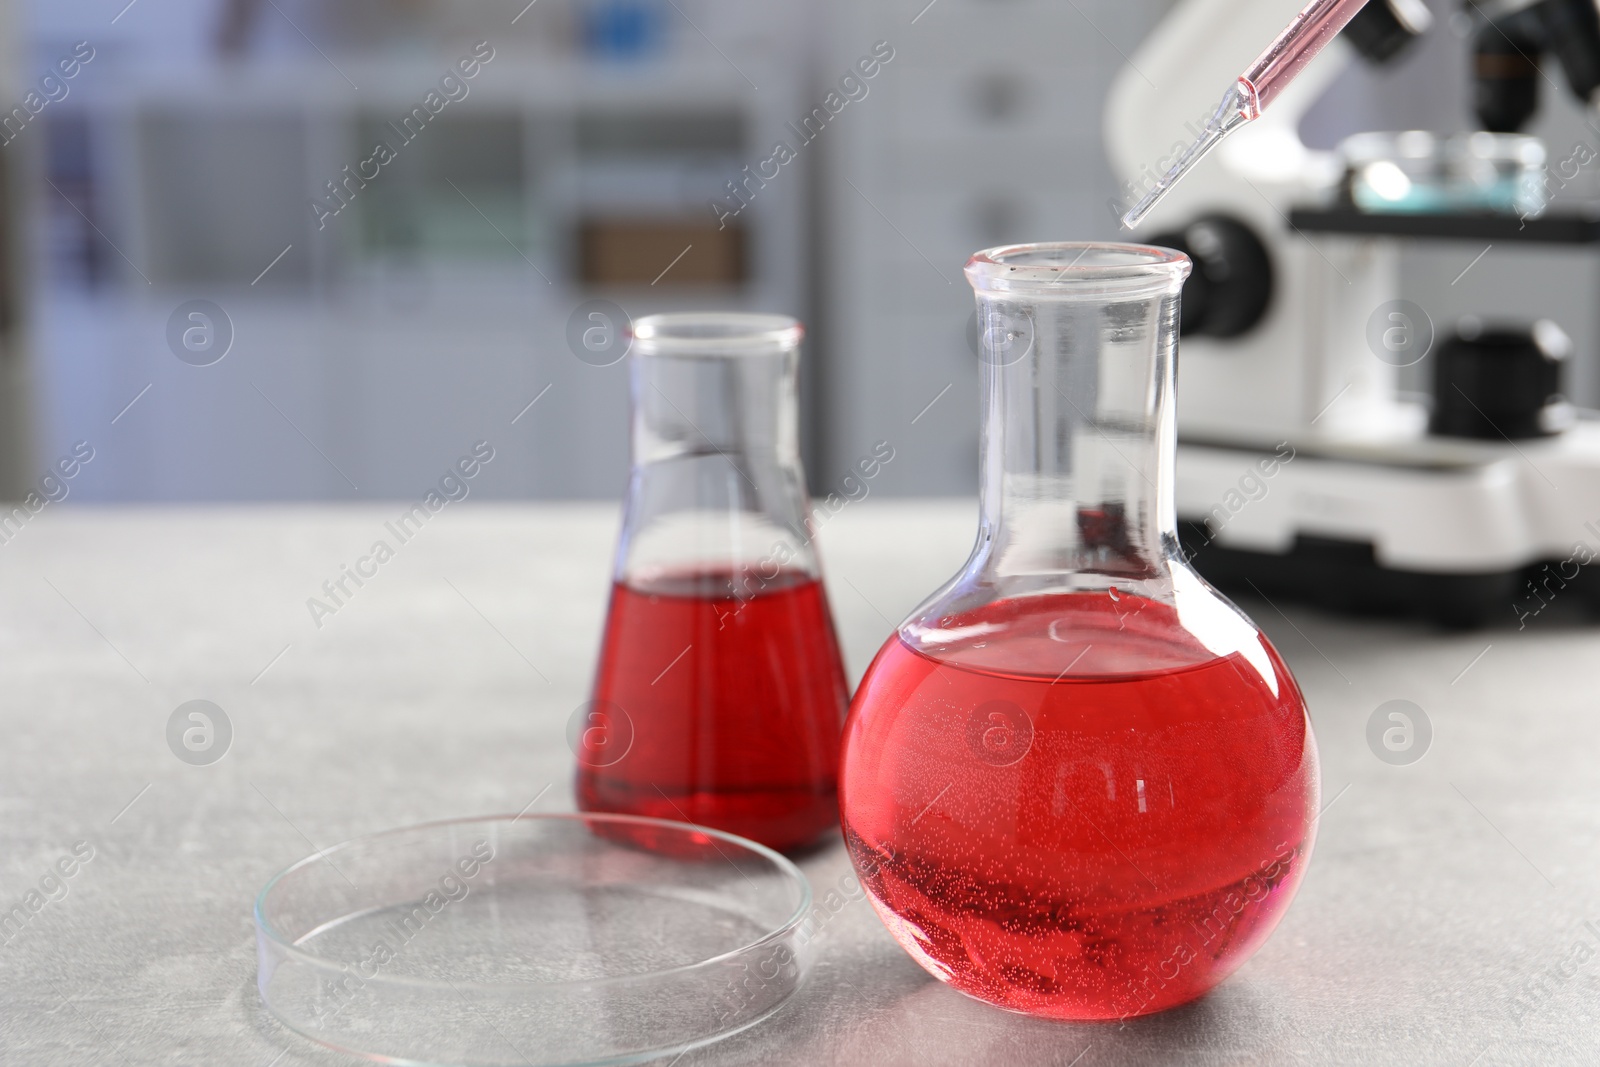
(1442, 921)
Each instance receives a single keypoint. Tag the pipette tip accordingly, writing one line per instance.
(1237, 108)
(1136, 214)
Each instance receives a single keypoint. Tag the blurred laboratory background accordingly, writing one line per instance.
(590, 163)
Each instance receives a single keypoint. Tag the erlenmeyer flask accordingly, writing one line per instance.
(720, 691)
(1078, 782)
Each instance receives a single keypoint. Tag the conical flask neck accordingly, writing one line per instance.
(716, 485)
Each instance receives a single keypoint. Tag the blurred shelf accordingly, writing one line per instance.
(346, 81)
(401, 327)
(203, 172)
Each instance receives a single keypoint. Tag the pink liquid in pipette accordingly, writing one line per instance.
(1297, 45)
(1300, 42)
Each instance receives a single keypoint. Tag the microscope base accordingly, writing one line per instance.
(1457, 532)
(1343, 576)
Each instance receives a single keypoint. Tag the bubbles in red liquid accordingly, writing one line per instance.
(1073, 809)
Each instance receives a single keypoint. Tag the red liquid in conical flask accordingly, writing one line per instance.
(734, 705)
(1080, 840)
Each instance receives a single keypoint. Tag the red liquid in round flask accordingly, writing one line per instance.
(1078, 782)
(720, 690)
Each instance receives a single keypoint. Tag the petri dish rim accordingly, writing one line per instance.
(792, 873)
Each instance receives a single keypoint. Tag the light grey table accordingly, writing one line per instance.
(1442, 920)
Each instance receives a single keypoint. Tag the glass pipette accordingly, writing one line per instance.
(1257, 88)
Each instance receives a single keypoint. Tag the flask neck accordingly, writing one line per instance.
(716, 490)
(1078, 440)
(740, 408)
(1079, 343)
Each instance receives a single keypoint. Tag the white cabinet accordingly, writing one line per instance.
(373, 347)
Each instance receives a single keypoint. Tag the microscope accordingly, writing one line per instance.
(1303, 469)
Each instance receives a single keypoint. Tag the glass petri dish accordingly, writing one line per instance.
(532, 940)
(1415, 171)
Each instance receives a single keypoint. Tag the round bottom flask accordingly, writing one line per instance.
(1078, 782)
